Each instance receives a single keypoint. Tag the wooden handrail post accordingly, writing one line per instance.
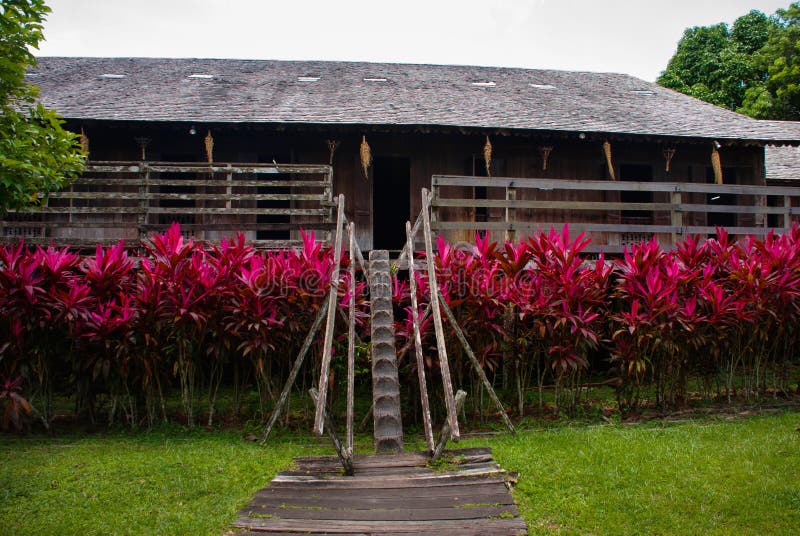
(423, 385)
(351, 335)
(787, 216)
(319, 422)
(676, 216)
(510, 214)
(449, 399)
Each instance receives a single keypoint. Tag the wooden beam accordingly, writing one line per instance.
(446, 432)
(298, 362)
(344, 456)
(476, 364)
(449, 400)
(329, 325)
(423, 384)
(351, 335)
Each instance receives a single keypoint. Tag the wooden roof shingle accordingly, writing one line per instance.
(340, 93)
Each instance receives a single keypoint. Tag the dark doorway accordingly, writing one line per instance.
(273, 226)
(721, 219)
(636, 173)
(391, 201)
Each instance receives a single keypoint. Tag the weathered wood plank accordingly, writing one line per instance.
(298, 363)
(427, 426)
(610, 186)
(303, 500)
(476, 366)
(487, 526)
(449, 397)
(351, 336)
(402, 459)
(356, 482)
(322, 400)
(134, 180)
(157, 196)
(431, 513)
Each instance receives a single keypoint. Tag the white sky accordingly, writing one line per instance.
(628, 36)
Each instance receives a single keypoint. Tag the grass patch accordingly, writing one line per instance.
(148, 483)
(713, 476)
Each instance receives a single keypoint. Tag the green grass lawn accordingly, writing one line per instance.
(712, 476)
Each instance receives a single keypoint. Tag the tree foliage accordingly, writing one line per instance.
(36, 154)
(752, 67)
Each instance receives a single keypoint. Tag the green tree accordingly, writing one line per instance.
(718, 63)
(36, 154)
(777, 96)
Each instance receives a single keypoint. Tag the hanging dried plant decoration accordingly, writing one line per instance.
(668, 154)
(716, 163)
(332, 146)
(209, 141)
(487, 156)
(84, 141)
(545, 151)
(609, 162)
(366, 156)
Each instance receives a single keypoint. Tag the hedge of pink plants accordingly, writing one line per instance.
(714, 317)
(120, 332)
(126, 329)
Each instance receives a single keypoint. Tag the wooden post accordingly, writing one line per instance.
(345, 457)
(423, 386)
(476, 365)
(298, 362)
(319, 422)
(676, 216)
(351, 335)
(511, 213)
(144, 202)
(444, 435)
(449, 400)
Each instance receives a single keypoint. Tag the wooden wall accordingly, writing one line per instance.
(456, 153)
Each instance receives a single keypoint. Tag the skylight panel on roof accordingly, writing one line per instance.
(484, 84)
(307, 78)
(112, 76)
(200, 76)
(374, 79)
(542, 86)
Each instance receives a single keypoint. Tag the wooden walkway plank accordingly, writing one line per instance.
(390, 494)
(494, 527)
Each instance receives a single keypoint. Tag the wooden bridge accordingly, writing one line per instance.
(389, 494)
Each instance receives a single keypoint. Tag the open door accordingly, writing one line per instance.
(391, 201)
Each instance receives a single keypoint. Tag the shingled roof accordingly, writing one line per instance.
(782, 163)
(336, 93)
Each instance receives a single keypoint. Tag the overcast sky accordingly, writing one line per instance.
(627, 36)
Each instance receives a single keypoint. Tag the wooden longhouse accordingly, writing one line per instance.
(264, 146)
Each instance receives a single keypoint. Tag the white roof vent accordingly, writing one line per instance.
(200, 76)
(307, 78)
(112, 76)
(542, 86)
(484, 84)
(374, 79)
(643, 92)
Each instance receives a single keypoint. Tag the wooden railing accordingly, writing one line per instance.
(668, 210)
(128, 200)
